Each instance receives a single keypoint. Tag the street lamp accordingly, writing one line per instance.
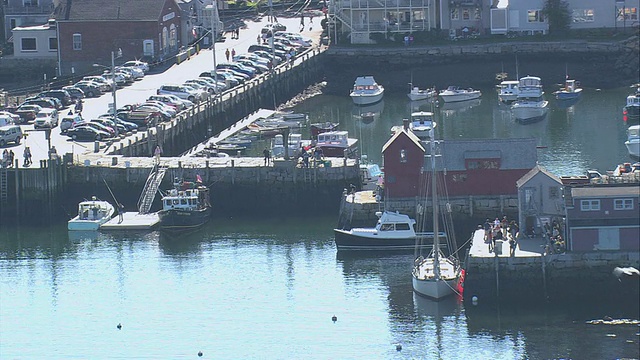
(114, 86)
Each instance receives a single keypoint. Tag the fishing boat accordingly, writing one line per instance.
(530, 106)
(91, 214)
(393, 231)
(319, 128)
(337, 144)
(421, 123)
(455, 94)
(185, 207)
(436, 276)
(366, 91)
(415, 93)
(570, 91)
(632, 108)
(633, 140)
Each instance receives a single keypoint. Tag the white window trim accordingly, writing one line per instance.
(35, 40)
(590, 205)
(73, 39)
(623, 204)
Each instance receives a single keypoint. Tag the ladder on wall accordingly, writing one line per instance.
(150, 189)
(4, 191)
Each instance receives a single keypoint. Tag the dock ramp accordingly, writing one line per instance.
(150, 189)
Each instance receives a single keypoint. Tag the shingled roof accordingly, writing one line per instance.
(99, 10)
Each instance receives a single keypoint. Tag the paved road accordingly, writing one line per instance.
(142, 89)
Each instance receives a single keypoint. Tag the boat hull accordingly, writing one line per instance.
(434, 289)
(633, 111)
(76, 224)
(568, 95)
(528, 114)
(180, 220)
(633, 147)
(460, 97)
(347, 241)
(366, 99)
(416, 95)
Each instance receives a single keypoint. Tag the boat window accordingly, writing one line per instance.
(183, 201)
(176, 202)
(386, 227)
(168, 202)
(402, 226)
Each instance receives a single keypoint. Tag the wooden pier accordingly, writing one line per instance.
(132, 221)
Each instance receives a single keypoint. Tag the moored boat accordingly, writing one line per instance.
(421, 123)
(530, 106)
(319, 128)
(569, 91)
(632, 108)
(366, 91)
(455, 94)
(185, 207)
(508, 91)
(337, 144)
(393, 231)
(91, 214)
(633, 140)
(415, 93)
(436, 276)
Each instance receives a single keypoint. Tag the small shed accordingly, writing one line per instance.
(539, 199)
(403, 158)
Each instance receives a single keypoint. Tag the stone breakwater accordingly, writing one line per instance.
(594, 64)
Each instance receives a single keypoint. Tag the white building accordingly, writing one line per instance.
(35, 42)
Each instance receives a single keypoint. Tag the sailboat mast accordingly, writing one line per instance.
(434, 201)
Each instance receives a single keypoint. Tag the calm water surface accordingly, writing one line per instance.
(267, 288)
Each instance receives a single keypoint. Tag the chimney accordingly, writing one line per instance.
(405, 124)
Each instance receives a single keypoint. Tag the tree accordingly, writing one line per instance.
(558, 15)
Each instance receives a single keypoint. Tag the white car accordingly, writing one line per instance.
(105, 85)
(172, 100)
(183, 92)
(46, 118)
(14, 118)
(137, 64)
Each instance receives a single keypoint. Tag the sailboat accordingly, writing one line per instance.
(436, 276)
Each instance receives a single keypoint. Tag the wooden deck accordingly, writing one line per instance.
(526, 247)
(132, 221)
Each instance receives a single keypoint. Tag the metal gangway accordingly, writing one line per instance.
(150, 189)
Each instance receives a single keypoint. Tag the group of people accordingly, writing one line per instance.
(7, 158)
(235, 33)
(503, 230)
(306, 155)
(555, 242)
(230, 54)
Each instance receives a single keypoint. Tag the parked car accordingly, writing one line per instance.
(180, 104)
(119, 79)
(10, 133)
(87, 133)
(98, 126)
(61, 94)
(75, 92)
(44, 102)
(261, 69)
(237, 68)
(46, 118)
(137, 64)
(183, 92)
(143, 119)
(136, 73)
(70, 121)
(220, 85)
(272, 28)
(253, 57)
(227, 77)
(105, 85)
(15, 118)
(274, 58)
(111, 124)
(267, 49)
(27, 112)
(90, 88)
(129, 126)
(295, 37)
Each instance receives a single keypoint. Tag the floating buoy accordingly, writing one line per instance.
(398, 347)
(200, 353)
(334, 318)
(119, 326)
(474, 300)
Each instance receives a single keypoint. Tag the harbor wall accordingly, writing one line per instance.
(567, 276)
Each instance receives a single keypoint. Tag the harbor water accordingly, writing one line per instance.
(268, 287)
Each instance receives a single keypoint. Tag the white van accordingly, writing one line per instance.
(10, 133)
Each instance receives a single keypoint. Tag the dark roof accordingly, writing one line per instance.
(128, 10)
(535, 171)
(513, 153)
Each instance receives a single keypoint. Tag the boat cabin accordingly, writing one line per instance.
(185, 197)
(634, 99)
(334, 138)
(570, 85)
(422, 119)
(509, 86)
(92, 210)
(365, 83)
(395, 221)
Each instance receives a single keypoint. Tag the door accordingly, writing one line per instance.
(608, 239)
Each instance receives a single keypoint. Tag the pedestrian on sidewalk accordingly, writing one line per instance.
(227, 53)
(233, 53)
(267, 156)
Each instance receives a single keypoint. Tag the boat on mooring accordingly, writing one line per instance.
(91, 214)
(455, 94)
(633, 141)
(570, 91)
(508, 91)
(186, 206)
(415, 93)
(530, 106)
(393, 231)
(337, 144)
(632, 108)
(436, 275)
(421, 123)
(366, 91)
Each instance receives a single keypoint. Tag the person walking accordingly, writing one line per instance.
(227, 53)
(11, 157)
(157, 153)
(27, 156)
(233, 53)
(120, 213)
(267, 156)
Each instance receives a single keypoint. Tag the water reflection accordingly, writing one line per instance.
(367, 114)
(451, 108)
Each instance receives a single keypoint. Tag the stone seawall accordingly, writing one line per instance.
(594, 64)
(557, 276)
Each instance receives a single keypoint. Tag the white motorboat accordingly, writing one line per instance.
(633, 140)
(455, 94)
(91, 214)
(421, 123)
(530, 106)
(366, 91)
(508, 91)
(436, 276)
(415, 93)
(632, 109)
(393, 231)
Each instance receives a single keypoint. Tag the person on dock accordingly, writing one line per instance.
(157, 153)
(120, 213)
(227, 53)
(27, 156)
(267, 156)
